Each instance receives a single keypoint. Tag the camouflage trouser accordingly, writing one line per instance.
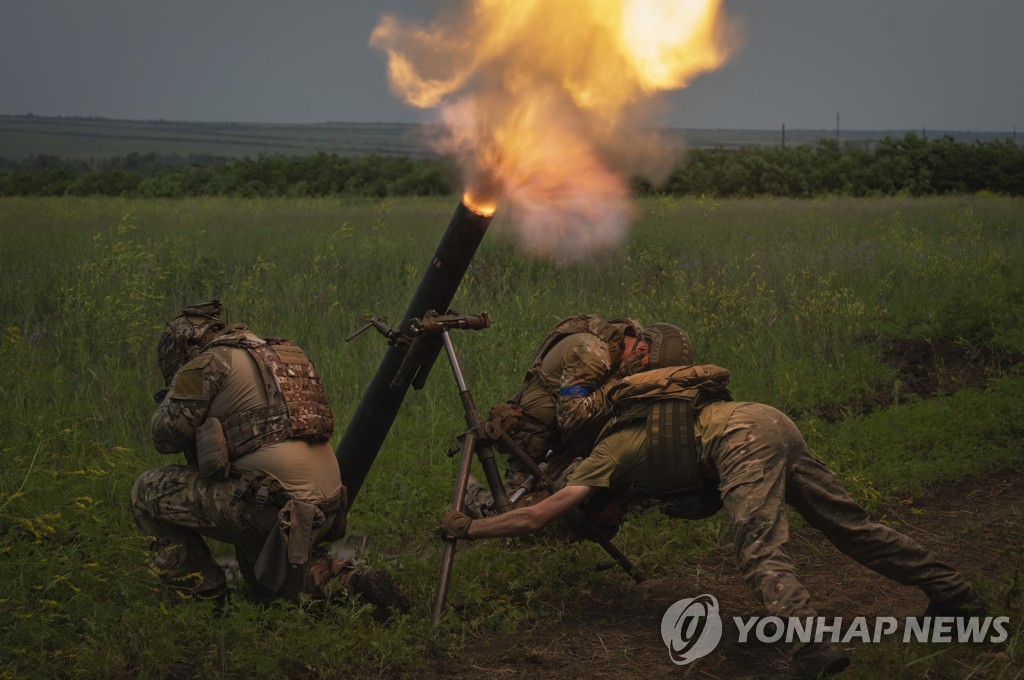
(763, 463)
(175, 507)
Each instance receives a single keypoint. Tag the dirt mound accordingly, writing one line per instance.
(943, 367)
(926, 369)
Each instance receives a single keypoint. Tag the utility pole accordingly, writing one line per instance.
(837, 127)
(783, 135)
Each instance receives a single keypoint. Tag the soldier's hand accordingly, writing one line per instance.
(455, 524)
(634, 363)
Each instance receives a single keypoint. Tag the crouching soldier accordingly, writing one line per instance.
(678, 438)
(562, 405)
(253, 420)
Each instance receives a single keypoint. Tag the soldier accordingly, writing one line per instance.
(253, 421)
(562, 406)
(677, 437)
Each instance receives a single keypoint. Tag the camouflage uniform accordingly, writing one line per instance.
(760, 462)
(561, 408)
(279, 502)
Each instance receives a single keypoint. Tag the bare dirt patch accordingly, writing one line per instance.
(927, 369)
(943, 367)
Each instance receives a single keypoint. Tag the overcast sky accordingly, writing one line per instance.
(880, 64)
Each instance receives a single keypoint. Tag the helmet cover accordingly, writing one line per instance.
(186, 334)
(669, 346)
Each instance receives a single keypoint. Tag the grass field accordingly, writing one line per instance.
(796, 298)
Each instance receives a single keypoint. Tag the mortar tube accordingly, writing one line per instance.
(371, 421)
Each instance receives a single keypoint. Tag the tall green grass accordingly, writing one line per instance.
(789, 295)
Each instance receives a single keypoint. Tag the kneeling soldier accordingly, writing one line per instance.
(253, 420)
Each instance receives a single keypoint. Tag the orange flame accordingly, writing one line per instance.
(546, 105)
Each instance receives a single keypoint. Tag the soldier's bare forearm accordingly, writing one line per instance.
(531, 519)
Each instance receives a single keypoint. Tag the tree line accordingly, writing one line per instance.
(912, 165)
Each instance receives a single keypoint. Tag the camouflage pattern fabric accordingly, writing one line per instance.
(174, 423)
(763, 463)
(185, 335)
(176, 507)
(297, 405)
(584, 382)
(563, 404)
(297, 384)
(565, 408)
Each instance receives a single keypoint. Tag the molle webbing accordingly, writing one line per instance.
(297, 403)
(672, 455)
(249, 430)
(289, 376)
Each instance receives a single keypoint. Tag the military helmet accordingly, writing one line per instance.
(186, 334)
(628, 326)
(669, 346)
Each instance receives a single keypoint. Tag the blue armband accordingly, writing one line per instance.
(574, 391)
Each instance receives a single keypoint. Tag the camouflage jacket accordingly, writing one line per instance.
(187, 402)
(583, 365)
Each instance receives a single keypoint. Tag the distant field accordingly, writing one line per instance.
(85, 138)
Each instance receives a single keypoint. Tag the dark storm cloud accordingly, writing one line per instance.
(940, 64)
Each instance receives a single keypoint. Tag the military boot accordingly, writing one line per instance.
(967, 604)
(819, 659)
(378, 588)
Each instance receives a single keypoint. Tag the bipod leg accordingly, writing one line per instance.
(458, 503)
(474, 420)
(469, 447)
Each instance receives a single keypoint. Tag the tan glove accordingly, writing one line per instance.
(455, 524)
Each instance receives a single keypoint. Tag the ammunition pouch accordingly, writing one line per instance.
(669, 399)
(672, 456)
(674, 462)
(212, 450)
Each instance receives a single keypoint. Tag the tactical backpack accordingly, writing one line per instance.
(297, 408)
(669, 399)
